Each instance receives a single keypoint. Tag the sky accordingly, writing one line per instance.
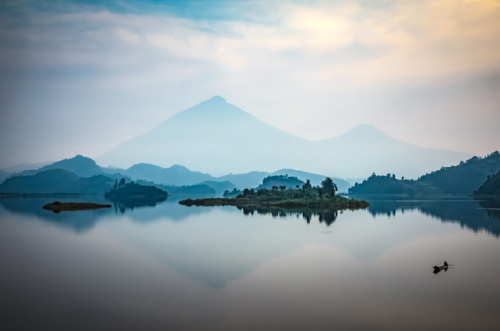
(81, 77)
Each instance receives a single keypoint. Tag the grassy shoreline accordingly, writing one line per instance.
(322, 203)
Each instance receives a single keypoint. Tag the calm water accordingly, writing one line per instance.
(170, 267)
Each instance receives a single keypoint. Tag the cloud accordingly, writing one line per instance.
(416, 41)
(323, 61)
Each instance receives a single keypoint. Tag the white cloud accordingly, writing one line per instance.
(313, 59)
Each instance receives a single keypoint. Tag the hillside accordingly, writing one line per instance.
(217, 137)
(134, 191)
(219, 187)
(57, 181)
(466, 177)
(462, 179)
(79, 165)
(490, 187)
(3, 175)
(197, 189)
(389, 185)
(175, 175)
(289, 182)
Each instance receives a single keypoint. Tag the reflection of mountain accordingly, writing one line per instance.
(84, 220)
(476, 215)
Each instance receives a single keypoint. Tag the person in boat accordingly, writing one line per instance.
(443, 267)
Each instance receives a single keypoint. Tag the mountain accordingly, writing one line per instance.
(365, 150)
(217, 137)
(197, 189)
(461, 179)
(390, 185)
(79, 165)
(57, 181)
(24, 166)
(249, 180)
(175, 175)
(466, 177)
(3, 175)
(214, 136)
(219, 187)
(491, 186)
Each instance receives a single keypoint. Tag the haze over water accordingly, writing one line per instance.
(196, 268)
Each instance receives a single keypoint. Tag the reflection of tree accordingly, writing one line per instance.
(492, 207)
(476, 215)
(122, 205)
(324, 216)
(328, 217)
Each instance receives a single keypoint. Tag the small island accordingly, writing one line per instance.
(323, 197)
(57, 206)
(132, 191)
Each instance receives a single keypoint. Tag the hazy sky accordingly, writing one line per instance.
(79, 77)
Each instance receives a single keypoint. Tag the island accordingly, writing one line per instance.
(322, 197)
(57, 206)
(132, 191)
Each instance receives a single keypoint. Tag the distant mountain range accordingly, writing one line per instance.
(76, 175)
(219, 138)
(57, 181)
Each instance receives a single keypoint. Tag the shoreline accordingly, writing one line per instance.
(344, 203)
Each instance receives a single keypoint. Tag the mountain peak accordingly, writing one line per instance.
(213, 109)
(79, 164)
(216, 98)
(214, 102)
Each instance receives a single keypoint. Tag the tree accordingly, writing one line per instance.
(247, 192)
(307, 185)
(329, 187)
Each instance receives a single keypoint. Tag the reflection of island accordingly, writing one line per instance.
(328, 216)
(121, 205)
(79, 222)
(58, 206)
(84, 220)
(476, 215)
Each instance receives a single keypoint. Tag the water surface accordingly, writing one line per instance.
(171, 267)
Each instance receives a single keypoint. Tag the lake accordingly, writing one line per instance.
(171, 267)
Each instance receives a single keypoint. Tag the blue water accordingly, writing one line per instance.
(171, 267)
